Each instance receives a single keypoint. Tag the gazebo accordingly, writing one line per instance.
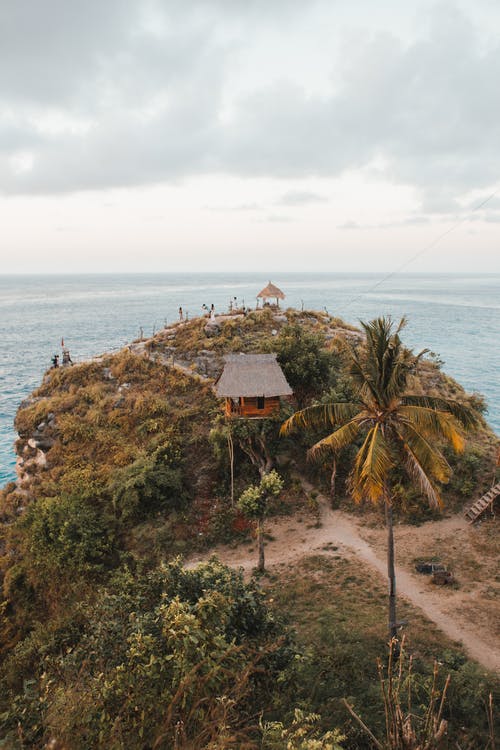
(271, 292)
(252, 385)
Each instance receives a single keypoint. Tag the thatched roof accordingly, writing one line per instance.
(271, 291)
(250, 375)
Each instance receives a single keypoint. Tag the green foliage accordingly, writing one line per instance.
(467, 695)
(304, 360)
(254, 501)
(304, 733)
(156, 651)
(65, 537)
(467, 470)
(154, 482)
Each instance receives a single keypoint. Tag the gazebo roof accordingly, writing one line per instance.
(271, 291)
(251, 375)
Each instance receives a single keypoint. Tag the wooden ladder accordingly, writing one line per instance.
(475, 510)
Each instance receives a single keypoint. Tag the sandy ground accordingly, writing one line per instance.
(465, 614)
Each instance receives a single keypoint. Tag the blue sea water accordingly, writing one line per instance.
(456, 316)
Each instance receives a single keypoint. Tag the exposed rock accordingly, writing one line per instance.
(207, 366)
(44, 442)
(212, 329)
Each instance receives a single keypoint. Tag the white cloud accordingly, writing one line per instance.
(315, 115)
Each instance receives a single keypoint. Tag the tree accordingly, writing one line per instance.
(391, 428)
(304, 361)
(254, 503)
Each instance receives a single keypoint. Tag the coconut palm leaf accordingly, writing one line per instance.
(467, 417)
(372, 466)
(321, 415)
(421, 477)
(338, 440)
(367, 387)
(432, 461)
(434, 424)
(388, 363)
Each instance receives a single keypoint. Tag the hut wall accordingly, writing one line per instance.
(250, 407)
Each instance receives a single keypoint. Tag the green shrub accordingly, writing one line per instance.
(65, 536)
(304, 361)
(152, 483)
(468, 470)
(159, 653)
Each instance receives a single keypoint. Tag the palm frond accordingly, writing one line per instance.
(418, 474)
(434, 424)
(338, 440)
(362, 378)
(433, 463)
(320, 415)
(388, 363)
(372, 466)
(466, 416)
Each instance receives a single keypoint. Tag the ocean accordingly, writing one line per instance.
(455, 316)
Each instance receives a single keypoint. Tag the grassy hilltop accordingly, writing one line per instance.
(107, 641)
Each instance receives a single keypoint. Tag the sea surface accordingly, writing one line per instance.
(456, 316)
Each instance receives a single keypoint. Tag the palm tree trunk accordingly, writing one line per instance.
(391, 573)
(260, 542)
(332, 479)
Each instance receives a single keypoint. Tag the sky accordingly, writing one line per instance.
(209, 135)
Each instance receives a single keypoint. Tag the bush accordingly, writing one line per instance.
(174, 656)
(304, 360)
(65, 537)
(152, 483)
(469, 468)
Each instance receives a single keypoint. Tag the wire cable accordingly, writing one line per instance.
(423, 250)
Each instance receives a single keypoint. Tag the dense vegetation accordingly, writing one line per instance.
(124, 464)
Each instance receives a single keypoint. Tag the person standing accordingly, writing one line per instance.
(181, 314)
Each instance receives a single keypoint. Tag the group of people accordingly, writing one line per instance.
(66, 358)
(207, 310)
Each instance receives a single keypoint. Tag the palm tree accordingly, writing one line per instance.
(391, 426)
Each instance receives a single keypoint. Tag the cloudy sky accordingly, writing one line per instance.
(157, 135)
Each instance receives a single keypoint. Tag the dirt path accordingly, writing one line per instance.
(291, 540)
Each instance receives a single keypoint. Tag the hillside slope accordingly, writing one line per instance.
(123, 464)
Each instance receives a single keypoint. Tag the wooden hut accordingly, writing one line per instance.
(252, 385)
(271, 292)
